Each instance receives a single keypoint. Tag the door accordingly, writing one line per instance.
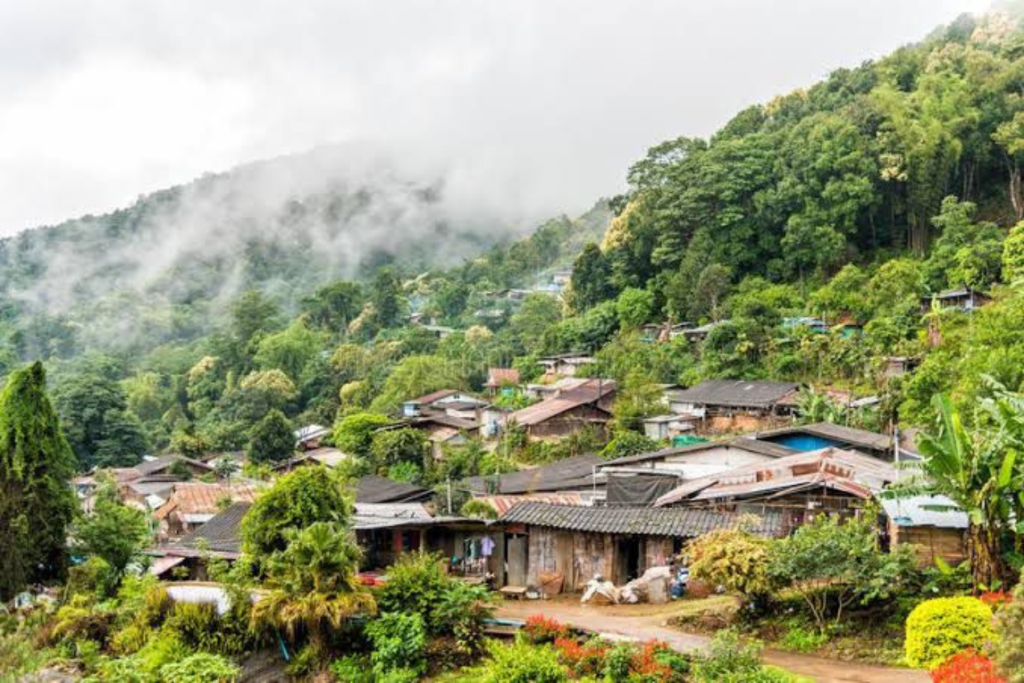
(516, 553)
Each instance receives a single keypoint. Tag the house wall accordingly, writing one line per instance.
(569, 422)
(930, 542)
(727, 423)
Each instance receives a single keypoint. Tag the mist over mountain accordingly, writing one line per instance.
(164, 267)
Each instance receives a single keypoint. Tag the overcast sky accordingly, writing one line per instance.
(543, 103)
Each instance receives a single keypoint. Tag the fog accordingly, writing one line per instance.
(526, 108)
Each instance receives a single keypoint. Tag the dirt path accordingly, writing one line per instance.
(645, 624)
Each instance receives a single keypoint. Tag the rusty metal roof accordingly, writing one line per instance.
(643, 521)
(586, 393)
(735, 393)
(194, 497)
(503, 504)
(571, 473)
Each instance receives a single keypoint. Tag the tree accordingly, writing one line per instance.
(416, 376)
(966, 254)
(295, 501)
(711, 287)
(638, 398)
(95, 419)
(334, 305)
(534, 317)
(354, 433)
(112, 531)
(36, 499)
(258, 393)
(291, 350)
(252, 313)
(734, 558)
(271, 439)
(386, 298)
(591, 275)
(395, 446)
(634, 307)
(1010, 138)
(312, 585)
(1013, 256)
(832, 564)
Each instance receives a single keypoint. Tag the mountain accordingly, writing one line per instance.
(162, 269)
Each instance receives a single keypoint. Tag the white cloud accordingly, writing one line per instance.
(535, 106)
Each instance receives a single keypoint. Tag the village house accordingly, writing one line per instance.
(899, 365)
(326, 456)
(587, 405)
(374, 489)
(964, 299)
(219, 538)
(565, 365)
(641, 479)
(500, 379)
(664, 332)
(666, 427)
(720, 406)
(192, 504)
(309, 438)
(162, 465)
(560, 547)
(799, 487)
(932, 524)
(700, 333)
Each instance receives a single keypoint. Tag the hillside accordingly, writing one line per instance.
(163, 269)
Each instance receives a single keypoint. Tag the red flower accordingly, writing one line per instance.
(540, 629)
(995, 598)
(967, 667)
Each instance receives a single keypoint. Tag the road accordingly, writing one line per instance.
(634, 623)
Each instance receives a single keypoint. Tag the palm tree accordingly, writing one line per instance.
(977, 474)
(313, 585)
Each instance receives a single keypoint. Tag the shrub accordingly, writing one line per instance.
(353, 669)
(582, 659)
(802, 640)
(940, 628)
(731, 660)
(539, 629)
(416, 584)
(522, 662)
(967, 667)
(618, 663)
(461, 612)
(200, 668)
(445, 653)
(1009, 650)
(74, 622)
(399, 641)
(130, 639)
(733, 558)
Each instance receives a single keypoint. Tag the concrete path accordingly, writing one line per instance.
(646, 627)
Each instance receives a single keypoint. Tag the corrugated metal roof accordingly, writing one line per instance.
(744, 443)
(374, 489)
(735, 393)
(563, 474)
(586, 393)
(388, 515)
(503, 504)
(221, 535)
(645, 521)
(499, 376)
(849, 471)
(193, 497)
(839, 433)
(912, 511)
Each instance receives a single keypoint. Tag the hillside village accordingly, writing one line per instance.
(758, 418)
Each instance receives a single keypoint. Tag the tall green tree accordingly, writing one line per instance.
(591, 278)
(97, 423)
(271, 439)
(36, 500)
(111, 531)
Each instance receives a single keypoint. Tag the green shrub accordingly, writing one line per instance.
(161, 650)
(521, 662)
(803, 640)
(734, 558)
(618, 662)
(940, 628)
(123, 670)
(130, 639)
(353, 669)
(200, 668)
(416, 585)
(729, 659)
(1009, 650)
(399, 641)
(74, 622)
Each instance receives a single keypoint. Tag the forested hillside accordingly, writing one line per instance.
(852, 200)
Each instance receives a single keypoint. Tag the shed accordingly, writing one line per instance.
(932, 523)
(813, 437)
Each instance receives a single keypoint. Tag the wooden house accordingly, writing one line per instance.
(566, 364)
(964, 299)
(570, 474)
(562, 547)
(587, 405)
(813, 437)
(726, 405)
(219, 537)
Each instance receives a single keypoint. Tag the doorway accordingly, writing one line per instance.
(627, 559)
(516, 551)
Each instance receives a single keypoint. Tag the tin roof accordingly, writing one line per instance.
(924, 510)
(767, 448)
(839, 433)
(193, 497)
(374, 489)
(499, 376)
(563, 474)
(735, 393)
(848, 471)
(503, 504)
(221, 535)
(589, 391)
(645, 521)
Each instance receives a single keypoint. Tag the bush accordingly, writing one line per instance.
(200, 668)
(353, 669)
(940, 628)
(461, 612)
(1009, 650)
(967, 667)
(732, 661)
(582, 659)
(539, 629)
(802, 640)
(399, 642)
(522, 662)
(733, 558)
(416, 584)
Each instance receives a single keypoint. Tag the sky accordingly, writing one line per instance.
(536, 107)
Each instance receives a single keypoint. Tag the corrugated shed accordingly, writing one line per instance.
(644, 521)
(222, 534)
(914, 511)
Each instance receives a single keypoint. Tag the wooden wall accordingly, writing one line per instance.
(930, 542)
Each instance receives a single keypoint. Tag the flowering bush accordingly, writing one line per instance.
(967, 667)
(940, 628)
(540, 629)
(582, 659)
(995, 599)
